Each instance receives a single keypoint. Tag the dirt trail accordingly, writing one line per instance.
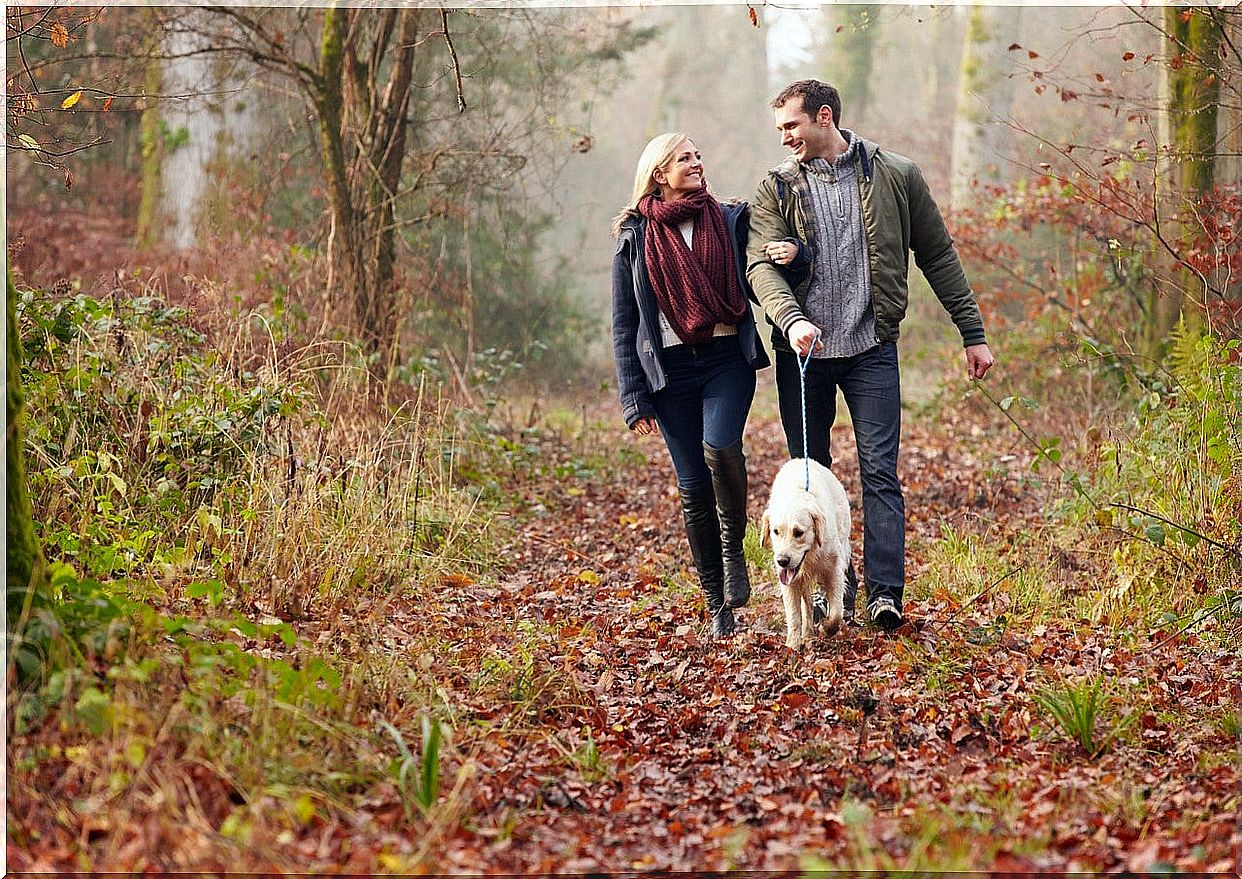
(741, 754)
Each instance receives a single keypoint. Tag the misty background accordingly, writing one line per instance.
(195, 151)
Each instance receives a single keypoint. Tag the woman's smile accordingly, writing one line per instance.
(684, 173)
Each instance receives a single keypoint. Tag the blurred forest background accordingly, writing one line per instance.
(191, 145)
(308, 339)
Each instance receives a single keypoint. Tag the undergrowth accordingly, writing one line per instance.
(229, 521)
(263, 559)
(1139, 465)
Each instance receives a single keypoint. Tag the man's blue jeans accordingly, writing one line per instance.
(871, 385)
(706, 400)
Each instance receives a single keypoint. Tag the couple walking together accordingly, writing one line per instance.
(824, 249)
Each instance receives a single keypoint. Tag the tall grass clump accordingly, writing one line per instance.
(167, 457)
(1077, 709)
(1167, 476)
(1143, 472)
(226, 520)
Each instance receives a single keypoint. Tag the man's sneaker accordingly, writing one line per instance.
(819, 608)
(884, 613)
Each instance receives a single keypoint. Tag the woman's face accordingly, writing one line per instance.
(683, 174)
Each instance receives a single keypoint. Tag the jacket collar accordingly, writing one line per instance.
(791, 169)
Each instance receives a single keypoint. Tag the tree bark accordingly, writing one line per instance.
(1186, 169)
(985, 94)
(1229, 122)
(329, 100)
(363, 126)
(152, 141)
(387, 160)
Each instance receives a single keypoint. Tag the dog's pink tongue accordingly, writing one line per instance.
(786, 576)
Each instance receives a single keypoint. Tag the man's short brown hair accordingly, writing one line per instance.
(814, 94)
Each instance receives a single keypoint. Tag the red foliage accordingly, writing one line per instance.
(1085, 244)
(1215, 245)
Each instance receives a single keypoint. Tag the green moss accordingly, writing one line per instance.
(153, 151)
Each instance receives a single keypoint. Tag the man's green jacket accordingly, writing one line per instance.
(899, 216)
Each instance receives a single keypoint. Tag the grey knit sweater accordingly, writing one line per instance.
(839, 298)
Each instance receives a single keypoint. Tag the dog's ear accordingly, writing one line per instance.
(818, 525)
(765, 538)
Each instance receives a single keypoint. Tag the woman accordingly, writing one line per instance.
(687, 349)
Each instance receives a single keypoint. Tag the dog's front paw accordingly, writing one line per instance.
(836, 613)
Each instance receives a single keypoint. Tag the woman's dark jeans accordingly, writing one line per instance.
(706, 400)
(871, 385)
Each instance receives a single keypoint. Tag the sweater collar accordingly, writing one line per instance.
(842, 162)
(791, 169)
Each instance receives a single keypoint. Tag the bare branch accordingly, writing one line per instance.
(47, 12)
(44, 151)
(448, 39)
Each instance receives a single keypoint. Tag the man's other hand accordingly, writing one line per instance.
(979, 360)
(645, 427)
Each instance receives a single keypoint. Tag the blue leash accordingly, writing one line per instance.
(802, 365)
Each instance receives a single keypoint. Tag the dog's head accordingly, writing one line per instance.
(792, 528)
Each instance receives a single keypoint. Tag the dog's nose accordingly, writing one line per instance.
(783, 561)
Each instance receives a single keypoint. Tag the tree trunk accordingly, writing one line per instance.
(197, 115)
(342, 247)
(985, 95)
(152, 140)
(1190, 90)
(1229, 122)
(683, 41)
(386, 162)
(26, 572)
(363, 125)
(848, 56)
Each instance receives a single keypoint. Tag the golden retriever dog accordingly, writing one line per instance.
(809, 533)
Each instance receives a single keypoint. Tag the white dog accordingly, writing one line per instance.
(809, 533)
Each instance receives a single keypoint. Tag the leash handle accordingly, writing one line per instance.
(802, 365)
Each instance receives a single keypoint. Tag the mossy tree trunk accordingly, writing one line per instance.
(343, 250)
(1186, 172)
(984, 99)
(1229, 123)
(362, 98)
(26, 575)
(152, 143)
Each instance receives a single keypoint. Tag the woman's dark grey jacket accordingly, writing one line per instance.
(635, 315)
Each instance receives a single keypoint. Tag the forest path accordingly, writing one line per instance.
(644, 744)
(593, 726)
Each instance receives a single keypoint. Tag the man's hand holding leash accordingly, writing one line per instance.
(805, 337)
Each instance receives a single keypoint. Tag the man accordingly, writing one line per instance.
(861, 210)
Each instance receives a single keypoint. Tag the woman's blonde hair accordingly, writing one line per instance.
(656, 155)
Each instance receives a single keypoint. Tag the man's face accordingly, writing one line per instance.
(803, 136)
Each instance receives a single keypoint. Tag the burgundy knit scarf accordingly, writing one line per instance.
(695, 288)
